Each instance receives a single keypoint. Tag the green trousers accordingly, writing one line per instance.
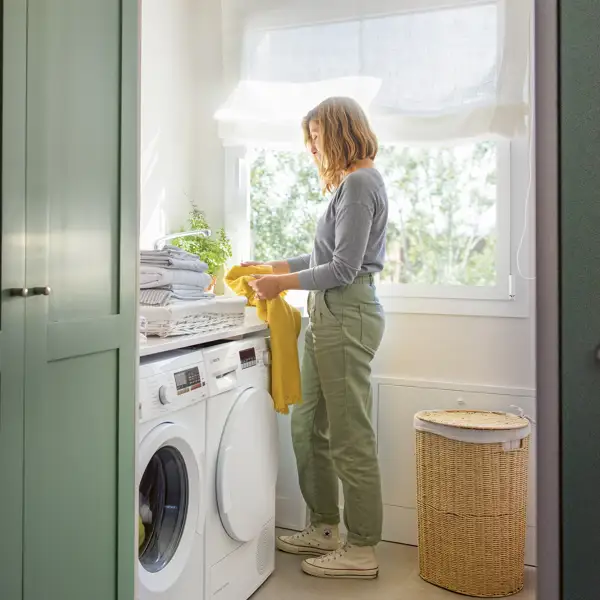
(332, 431)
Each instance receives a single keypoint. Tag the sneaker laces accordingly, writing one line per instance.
(302, 534)
(339, 553)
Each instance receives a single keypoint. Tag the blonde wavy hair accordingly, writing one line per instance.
(346, 138)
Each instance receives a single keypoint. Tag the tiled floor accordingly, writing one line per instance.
(398, 580)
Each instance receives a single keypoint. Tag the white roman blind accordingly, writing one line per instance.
(425, 70)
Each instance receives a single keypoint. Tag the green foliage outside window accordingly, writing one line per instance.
(442, 227)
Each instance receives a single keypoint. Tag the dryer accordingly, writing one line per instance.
(171, 476)
(242, 461)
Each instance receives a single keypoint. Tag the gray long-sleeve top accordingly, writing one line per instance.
(350, 237)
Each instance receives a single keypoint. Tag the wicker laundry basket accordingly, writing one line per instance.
(472, 469)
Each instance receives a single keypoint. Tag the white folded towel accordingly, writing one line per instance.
(159, 277)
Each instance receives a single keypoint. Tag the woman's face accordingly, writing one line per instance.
(315, 147)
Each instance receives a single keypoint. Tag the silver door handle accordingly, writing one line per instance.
(42, 291)
(19, 292)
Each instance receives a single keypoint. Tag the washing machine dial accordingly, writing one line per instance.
(162, 395)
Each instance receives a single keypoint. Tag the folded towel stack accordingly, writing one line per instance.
(171, 275)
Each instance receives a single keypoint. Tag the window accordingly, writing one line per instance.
(443, 227)
(448, 100)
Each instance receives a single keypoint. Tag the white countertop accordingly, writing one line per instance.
(156, 345)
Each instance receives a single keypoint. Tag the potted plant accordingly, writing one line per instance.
(214, 250)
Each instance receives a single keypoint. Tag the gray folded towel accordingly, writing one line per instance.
(155, 297)
(171, 294)
(171, 257)
(159, 277)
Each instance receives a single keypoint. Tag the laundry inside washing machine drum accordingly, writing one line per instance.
(163, 506)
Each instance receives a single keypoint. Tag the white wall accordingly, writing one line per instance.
(472, 350)
(181, 156)
(208, 70)
(182, 86)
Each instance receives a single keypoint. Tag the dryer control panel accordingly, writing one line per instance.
(237, 364)
(222, 367)
(170, 383)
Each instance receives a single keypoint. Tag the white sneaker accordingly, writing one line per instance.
(314, 540)
(349, 562)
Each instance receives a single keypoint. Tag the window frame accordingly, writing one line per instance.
(510, 297)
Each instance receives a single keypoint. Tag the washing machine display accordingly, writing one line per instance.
(164, 497)
(188, 380)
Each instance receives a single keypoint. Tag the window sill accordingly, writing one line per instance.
(502, 309)
(507, 309)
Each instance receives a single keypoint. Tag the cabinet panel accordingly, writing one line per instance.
(12, 275)
(579, 177)
(74, 118)
(71, 480)
(82, 240)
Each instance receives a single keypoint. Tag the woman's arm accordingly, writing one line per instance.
(268, 287)
(353, 222)
(280, 267)
(354, 213)
(283, 267)
(298, 263)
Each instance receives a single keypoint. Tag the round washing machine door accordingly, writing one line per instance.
(169, 496)
(247, 466)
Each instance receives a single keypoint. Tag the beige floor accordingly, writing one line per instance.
(398, 580)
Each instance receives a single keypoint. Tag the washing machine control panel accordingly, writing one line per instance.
(172, 384)
(189, 380)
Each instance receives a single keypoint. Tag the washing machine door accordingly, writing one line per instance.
(247, 466)
(169, 494)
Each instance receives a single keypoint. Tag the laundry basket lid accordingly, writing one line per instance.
(475, 426)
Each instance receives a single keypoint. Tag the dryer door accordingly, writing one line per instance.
(247, 466)
(170, 491)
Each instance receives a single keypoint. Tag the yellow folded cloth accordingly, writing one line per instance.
(284, 325)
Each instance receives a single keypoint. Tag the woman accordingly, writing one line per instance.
(332, 432)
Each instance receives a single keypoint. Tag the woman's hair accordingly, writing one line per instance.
(346, 137)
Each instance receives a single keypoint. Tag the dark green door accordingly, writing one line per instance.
(68, 430)
(579, 107)
(12, 308)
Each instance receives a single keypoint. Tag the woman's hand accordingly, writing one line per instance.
(280, 267)
(266, 287)
(252, 263)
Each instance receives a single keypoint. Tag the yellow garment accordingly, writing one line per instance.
(141, 532)
(284, 325)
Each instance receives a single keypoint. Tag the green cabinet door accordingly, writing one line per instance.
(579, 106)
(12, 276)
(81, 355)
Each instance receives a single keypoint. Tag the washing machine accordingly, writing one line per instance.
(171, 476)
(242, 461)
